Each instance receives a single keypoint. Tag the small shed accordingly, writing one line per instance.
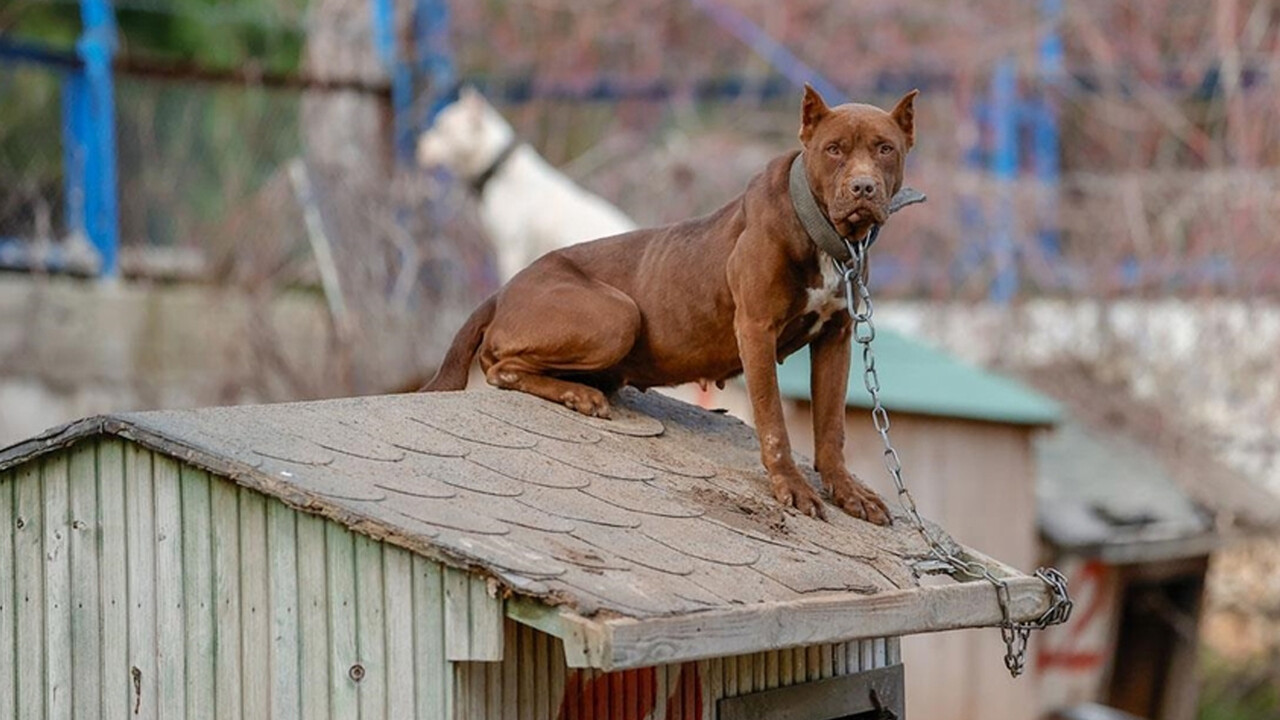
(966, 437)
(1133, 509)
(476, 555)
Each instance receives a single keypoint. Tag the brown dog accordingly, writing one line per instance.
(709, 298)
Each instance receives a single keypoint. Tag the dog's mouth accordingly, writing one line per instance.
(863, 213)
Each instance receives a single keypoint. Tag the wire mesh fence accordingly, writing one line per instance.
(1165, 169)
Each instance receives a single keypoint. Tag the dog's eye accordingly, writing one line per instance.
(834, 150)
(886, 148)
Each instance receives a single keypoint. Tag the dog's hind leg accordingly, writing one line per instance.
(579, 327)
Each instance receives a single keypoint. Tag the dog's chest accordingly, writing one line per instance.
(826, 298)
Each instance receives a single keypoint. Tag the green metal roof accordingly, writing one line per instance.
(916, 378)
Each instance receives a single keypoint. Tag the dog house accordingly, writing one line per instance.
(477, 555)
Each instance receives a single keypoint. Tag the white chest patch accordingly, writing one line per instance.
(825, 299)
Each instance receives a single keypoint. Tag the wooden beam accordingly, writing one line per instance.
(623, 643)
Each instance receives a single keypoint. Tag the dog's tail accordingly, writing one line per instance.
(453, 371)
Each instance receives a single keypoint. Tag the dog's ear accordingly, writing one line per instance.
(812, 110)
(904, 114)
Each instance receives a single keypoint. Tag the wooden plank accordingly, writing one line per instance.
(397, 571)
(28, 542)
(626, 643)
(848, 696)
(140, 542)
(313, 619)
(371, 627)
(772, 669)
(786, 667)
(542, 661)
(746, 674)
(344, 701)
(515, 705)
(83, 533)
(8, 599)
(879, 653)
(255, 607)
(801, 659)
(487, 618)
(433, 681)
(282, 599)
(170, 630)
(893, 651)
(865, 659)
(116, 683)
(197, 591)
(555, 652)
(457, 614)
(57, 586)
(224, 500)
(826, 660)
(526, 670)
(731, 676)
(494, 684)
(838, 656)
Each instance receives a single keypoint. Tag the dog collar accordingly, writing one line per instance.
(819, 227)
(479, 181)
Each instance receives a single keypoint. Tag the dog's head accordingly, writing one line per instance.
(854, 158)
(466, 136)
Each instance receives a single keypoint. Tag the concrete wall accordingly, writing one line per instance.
(72, 348)
(1210, 364)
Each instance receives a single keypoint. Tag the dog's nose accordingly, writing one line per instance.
(863, 187)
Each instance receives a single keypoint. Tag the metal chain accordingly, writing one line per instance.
(1015, 634)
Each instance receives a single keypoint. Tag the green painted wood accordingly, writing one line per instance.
(339, 546)
(57, 586)
(434, 681)
(197, 591)
(28, 544)
(171, 638)
(227, 670)
(113, 568)
(313, 618)
(457, 614)
(8, 600)
(140, 542)
(397, 576)
(915, 378)
(371, 627)
(486, 619)
(255, 612)
(282, 546)
(82, 539)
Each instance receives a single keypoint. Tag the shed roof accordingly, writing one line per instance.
(644, 537)
(916, 378)
(1123, 481)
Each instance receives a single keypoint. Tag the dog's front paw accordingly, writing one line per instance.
(588, 401)
(792, 489)
(859, 500)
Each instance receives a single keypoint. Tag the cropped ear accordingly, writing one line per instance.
(812, 110)
(904, 114)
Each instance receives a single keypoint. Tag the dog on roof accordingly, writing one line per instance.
(709, 298)
(527, 207)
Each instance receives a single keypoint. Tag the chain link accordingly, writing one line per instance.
(1015, 634)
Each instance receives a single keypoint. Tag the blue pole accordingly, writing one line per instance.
(384, 45)
(434, 55)
(92, 100)
(1046, 148)
(1004, 168)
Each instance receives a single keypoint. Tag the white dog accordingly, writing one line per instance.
(527, 206)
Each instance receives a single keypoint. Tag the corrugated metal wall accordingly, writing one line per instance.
(135, 587)
(532, 682)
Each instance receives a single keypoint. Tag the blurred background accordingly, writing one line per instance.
(216, 201)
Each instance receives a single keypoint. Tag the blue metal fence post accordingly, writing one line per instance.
(435, 58)
(90, 116)
(1046, 151)
(1004, 167)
